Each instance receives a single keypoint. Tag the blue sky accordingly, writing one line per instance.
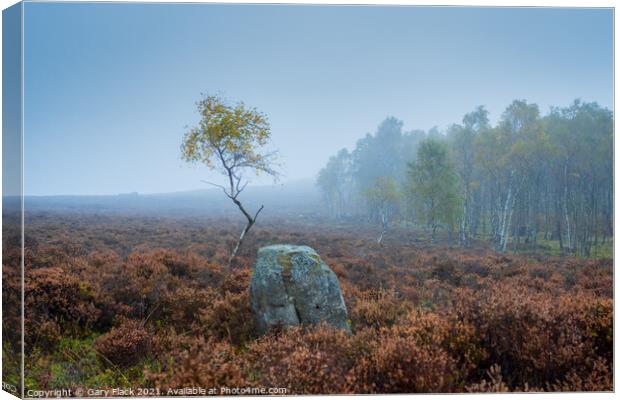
(110, 88)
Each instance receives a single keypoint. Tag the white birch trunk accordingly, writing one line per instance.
(569, 238)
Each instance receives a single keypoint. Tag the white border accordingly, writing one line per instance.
(483, 3)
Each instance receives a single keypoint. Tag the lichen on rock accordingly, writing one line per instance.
(291, 285)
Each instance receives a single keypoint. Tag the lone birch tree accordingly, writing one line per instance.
(230, 139)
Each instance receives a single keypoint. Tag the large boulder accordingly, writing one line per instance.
(291, 285)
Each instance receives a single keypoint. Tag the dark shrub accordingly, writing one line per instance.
(125, 345)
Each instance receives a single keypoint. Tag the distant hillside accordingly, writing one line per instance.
(295, 197)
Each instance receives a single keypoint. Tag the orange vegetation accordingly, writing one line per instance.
(152, 300)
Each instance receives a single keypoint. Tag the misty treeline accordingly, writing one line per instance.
(528, 180)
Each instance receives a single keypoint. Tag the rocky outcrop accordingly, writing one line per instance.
(291, 285)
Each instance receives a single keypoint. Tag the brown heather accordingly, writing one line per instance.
(152, 301)
(124, 345)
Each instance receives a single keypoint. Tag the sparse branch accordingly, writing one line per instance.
(218, 186)
(240, 189)
(258, 212)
